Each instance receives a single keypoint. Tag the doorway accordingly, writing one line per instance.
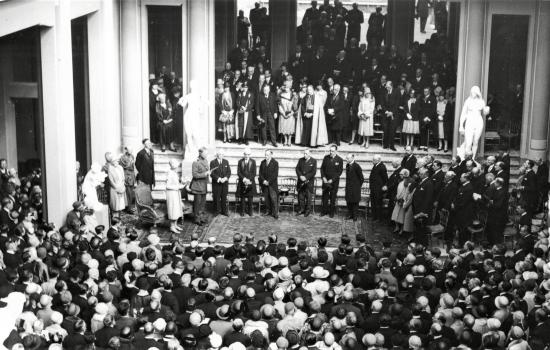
(79, 37)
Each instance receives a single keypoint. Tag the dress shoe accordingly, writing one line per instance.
(242, 214)
(266, 214)
(331, 215)
(300, 213)
(322, 214)
(354, 219)
(264, 143)
(250, 213)
(225, 213)
(393, 148)
(163, 149)
(349, 217)
(173, 149)
(276, 217)
(274, 144)
(306, 214)
(246, 142)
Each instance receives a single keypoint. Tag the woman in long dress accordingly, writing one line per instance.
(319, 134)
(441, 108)
(297, 103)
(398, 214)
(100, 215)
(365, 113)
(117, 193)
(165, 122)
(471, 121)
(411, 125)
(174, 205)
(287, 121)
(227, 100)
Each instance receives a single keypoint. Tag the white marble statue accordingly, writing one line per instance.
(195, 120)
(471, 122)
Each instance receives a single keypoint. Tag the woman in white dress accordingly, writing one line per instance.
(471, 121)
(365, 113)
(287, 121)
(398, 214)
(319, 134)
(174, 206)
(117, 192)
(100, 216)
(227, 113)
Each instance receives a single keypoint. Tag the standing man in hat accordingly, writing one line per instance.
(377, 181)
(331, 170)
(422, 205)
(200, 171)
(269, 172)
(462, 208)
(306, 169)
(145, 164)
(354, 181)
(246, 186)
(220, 171)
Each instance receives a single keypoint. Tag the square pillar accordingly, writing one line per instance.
(58, 111)
(283, 30)
(104, 80)
(471, 58)
(400, 24)
(225, 12)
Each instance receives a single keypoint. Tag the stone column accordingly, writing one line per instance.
(200, 55)
(58, 110)
(400, 24)
(226, 30)
(471, 60)
(283, 30)
(540, 85)
(131, 72)
(8, 134)
(106, 120)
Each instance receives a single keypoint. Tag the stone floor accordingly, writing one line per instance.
(288, 225)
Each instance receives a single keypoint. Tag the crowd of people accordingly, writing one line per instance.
(334, 87)
(111, 288)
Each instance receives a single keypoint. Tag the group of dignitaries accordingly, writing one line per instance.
(333, 89)
(415, 193)
(331, 170)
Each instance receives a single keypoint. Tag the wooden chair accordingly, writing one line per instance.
(147, 214)
(377, 128)
(287, 192)
(365, 197)
(477, 227)
(437, 230)
(512, 133)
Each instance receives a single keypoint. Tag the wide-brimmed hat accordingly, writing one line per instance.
(319, 272)
(223, 312)
(285, 274)
(153, 239)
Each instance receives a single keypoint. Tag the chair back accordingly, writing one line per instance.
(443, 217)
(287, 185)
(143, 195)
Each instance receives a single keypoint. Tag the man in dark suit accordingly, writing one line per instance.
(246, 186)
(255, 17)
(72, 221)
(426, 115)
(409, 160)
(269, 173)
(377, 181)
(243, 118)
(297, 64)
(438, 176)
(542, 182)
(389, 119)
(422, 205)
(266, 110)
(528, 187)
(306, 169)
(6, 219)
(145, 164)
(393, 181)
(354, 18)
(220, 173)
(497, 212)
(462, 208)
(375, 32)
(354, 181)
(501, 172)
(446, 195)
(331, 170)
(336, 115)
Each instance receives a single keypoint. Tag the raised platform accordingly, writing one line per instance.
(288, 158)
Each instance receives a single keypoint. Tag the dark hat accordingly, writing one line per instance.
(78, 205)
(476, 226)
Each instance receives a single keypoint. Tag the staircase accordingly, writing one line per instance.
(288, 158)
